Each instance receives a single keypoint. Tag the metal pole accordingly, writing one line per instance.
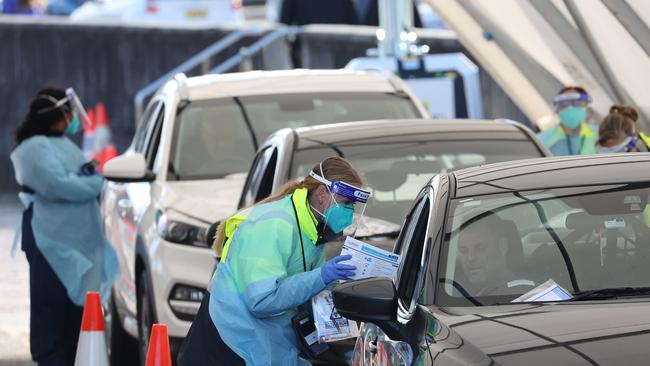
(575, 41)
(253, 49)
(581, 22)
(191, 63)
(621, 93)
(631, 21)
(545, 82)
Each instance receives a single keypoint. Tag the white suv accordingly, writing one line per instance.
(186, 169)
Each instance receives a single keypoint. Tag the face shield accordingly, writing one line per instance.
(345, 209)
(572, 108)
(573, 99)
(75, 107)
(78, 109)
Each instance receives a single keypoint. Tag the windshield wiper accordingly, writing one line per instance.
(389, 234)
(608, 293)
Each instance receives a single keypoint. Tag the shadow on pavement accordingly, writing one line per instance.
(17, 363)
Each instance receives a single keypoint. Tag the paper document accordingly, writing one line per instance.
(369, 260)
(547, 291)
(331, 326)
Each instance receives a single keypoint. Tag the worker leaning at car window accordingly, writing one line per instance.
(270, 264)
(618, 132)
(62, 234)
(573, 135)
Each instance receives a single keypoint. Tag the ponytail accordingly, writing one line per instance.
(620, 120)
(220, 234)
(332, 168)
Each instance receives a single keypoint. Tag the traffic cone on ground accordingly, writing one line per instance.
(91, 350)
(158, 353)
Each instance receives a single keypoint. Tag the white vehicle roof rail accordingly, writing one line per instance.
(393, 79)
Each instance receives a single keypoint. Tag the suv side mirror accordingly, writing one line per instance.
(128, 168)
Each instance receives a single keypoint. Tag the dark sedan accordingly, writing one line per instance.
(481, 244)
(396, 158)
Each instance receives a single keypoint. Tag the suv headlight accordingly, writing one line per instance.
(177, 230)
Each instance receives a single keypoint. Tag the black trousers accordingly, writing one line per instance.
(54, 319)
(203, 344)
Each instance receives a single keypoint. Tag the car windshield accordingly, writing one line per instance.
(396, 171)
(499, 247)
(214, 138)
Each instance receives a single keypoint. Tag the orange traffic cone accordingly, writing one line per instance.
(158, 353)
(91, 350)
(103, 145)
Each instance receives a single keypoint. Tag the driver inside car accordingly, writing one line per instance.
(484, 258)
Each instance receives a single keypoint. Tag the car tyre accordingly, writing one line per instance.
(122, 348)
(145, 315)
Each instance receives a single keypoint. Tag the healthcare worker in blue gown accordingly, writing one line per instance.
(62, 233)
(273, 261)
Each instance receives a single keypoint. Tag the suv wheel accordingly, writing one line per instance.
(145, 315)
(122, 348)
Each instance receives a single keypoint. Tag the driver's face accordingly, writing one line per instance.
(480, 255)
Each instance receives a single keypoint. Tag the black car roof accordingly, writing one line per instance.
(553, 172)
(394, 130)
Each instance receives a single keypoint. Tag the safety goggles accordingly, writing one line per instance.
(571, 99)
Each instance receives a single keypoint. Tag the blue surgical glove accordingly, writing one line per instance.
(333, 270)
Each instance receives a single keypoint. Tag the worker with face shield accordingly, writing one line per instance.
(573, 135)
(62, 231)
(272, 261)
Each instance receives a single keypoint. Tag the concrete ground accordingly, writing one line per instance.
(14, 290)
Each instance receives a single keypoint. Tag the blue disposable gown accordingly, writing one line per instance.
(257, 288)
(67, 225)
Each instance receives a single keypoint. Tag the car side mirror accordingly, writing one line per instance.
(128, 168)
(370, 300)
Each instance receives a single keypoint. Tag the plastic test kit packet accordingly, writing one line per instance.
(370, 262)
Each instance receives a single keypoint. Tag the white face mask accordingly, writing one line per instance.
(622, 147)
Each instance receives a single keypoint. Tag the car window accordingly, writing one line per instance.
(151, 146)
(412, 246)
(266, 184)
(499, 247)
(144, 126)
(269, 113)
(211, 140)
(254, 179)
(215, 138)
(395, 169)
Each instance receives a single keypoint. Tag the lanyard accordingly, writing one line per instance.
(302, 246)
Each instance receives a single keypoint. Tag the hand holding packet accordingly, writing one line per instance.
(369, 261)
